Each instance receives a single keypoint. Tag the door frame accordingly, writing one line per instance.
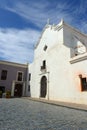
(43, 87)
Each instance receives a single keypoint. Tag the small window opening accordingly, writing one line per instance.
(43, 67)
(44, 64)
(29, 88)
(4, 75)
(20, 76)
(29, 76)
(84, 84)
(45, 48)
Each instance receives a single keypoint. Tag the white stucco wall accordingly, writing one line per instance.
(52, 38)
(63, 83)
(79, 68)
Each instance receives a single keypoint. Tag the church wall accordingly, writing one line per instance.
(79, 69)
(60, 81)
(49, 38)
(63, 82)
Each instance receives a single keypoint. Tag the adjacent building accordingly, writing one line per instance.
(59, 69)
(14, 78)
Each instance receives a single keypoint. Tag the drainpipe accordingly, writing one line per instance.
(48, 85)
(27, 80)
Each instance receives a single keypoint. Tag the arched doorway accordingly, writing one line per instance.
(43, 88)
(18, 90)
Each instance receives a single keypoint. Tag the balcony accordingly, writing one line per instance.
(43, 68)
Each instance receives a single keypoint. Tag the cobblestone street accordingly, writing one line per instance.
(23, 114)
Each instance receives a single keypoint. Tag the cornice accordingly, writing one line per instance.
(78, 58)
(14, 64)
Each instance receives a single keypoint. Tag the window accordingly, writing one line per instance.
(29, 88)
(43, 67)
(3, 74)
(79, 46)
(20, 76)
(29, 76)
(83, 84)
(44, 64)
(45, 48)
(79, 50)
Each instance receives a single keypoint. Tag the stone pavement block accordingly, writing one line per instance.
(33, 114)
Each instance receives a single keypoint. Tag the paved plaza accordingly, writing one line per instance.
(23, 114)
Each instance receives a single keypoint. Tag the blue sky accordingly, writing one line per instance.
(22, 21)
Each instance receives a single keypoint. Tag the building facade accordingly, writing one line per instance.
(14, 78)
(59, 69)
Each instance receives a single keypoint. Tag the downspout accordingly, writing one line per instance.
(48, 85)
(27, 80)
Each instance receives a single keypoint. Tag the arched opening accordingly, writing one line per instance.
(43, 88)
(18, 90)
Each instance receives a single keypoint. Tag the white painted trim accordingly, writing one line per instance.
(78, 58)
(74, 29)
(12, 89)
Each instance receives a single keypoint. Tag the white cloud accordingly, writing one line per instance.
(82, 7)
(39, 12)
(17, 45)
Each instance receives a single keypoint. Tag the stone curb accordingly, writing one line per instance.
(75, 106)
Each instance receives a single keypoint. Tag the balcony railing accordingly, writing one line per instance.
(43, 68)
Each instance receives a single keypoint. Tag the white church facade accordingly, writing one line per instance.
(59, 69)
